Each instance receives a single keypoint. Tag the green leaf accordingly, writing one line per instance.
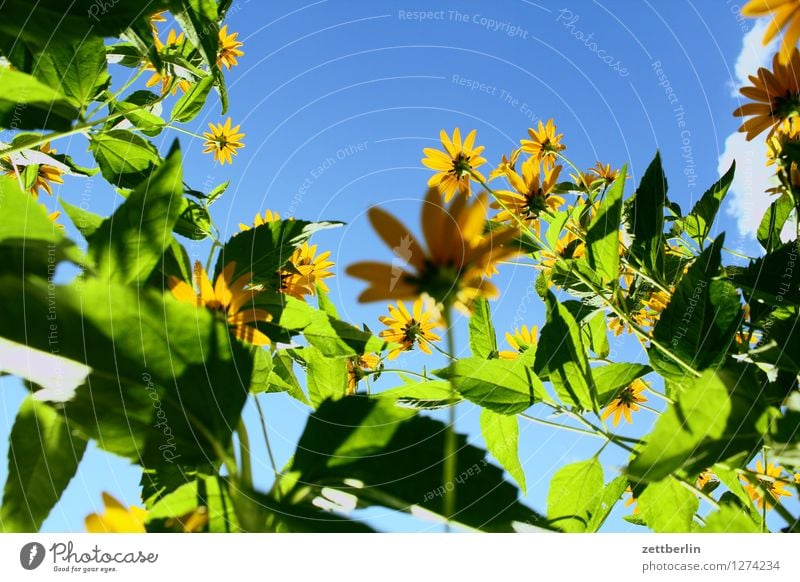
(501, 433)
(602, 236)
(716, 417)
(274, 374)
(773, 278)
(769, 231)
(76, 69)
(129, 244)
(206, 493)
(504, 386)
(43, 457)
(52, 21)
(482, 337)
(610, 495)
(697, 224)
(190, 104)
(668, 507)
(326, 377)
(138, 108)
(125, 159)
(194, 222)
(324, 302)
(386, 456)
(783, 437)
(430, 395)
(27, 103)
(699, 324)
(612, 378)
(29, 241)
(85, 221)
(574, 495)
(167, 381)
(730, 518)
(561, 357)
(263, 250)
(645, 217)
(730, 478)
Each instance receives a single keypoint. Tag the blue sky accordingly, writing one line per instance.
(338, 99)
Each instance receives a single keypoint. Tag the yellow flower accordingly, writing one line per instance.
(410, 329)
(157, 17)
(117, 519)
(631, 500)
(658, 301)
(568, 246)
(53, 216)
(775, 95)
(228, 48)
(269, 216)
(45, 176)
(520, 341)
(787, 133)
(797, 477)
(627, 401)
(704, 479)
(531, 194)
(357, 366)
(452, 268)
(223, 141)
(775, 489)
(585, 181)
(455, 167)
(605, 173)
(785, 13)
(506, 164)
(174, 40)
(229, 298)
(544, 144)
(640, 317)
(307, 269)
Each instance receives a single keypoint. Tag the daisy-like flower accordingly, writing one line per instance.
(775, 95)
(358, 367)
(455, 167)
(784, 13)
(544, 144)
(787, 133)
(46, 174)
(117, 518)
(231, 298)
(521, 340)
(306, 272)
(585, 181)
(627, 401)
(775, 489)
(223, 141)
(269, 216)
(506, 164)
(569, 246)
(704, 479)
(229, 48)
(604, 173)
(531, 195)
(410, 328)
(156, 18)
(174, 40)
(658, 301)
(458, 254)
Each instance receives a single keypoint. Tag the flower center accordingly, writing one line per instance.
(461, 165)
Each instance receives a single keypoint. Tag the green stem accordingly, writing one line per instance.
(275, 471)
(450, 440)
(578, 173)
(244, 451)
(102, 104)
(647, 278)
(181, 130)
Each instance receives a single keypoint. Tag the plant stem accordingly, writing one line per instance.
(110, 98)
(246, 473)
(275, 471)
(181, 130)
(450, 441)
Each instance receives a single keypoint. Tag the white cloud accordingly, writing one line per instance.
(747, 197)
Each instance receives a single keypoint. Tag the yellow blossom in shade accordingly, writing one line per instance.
(269, 216)
(46, 174)
(458, 254)
(658, 301)
(521, 340)
(788, 132)
(190, 522)
(631, 500)
(116, 518)
(797, 478)
(784, 13)
(569, 246)
(775, 97)
(232, 298)
(455, 167)
(605, 173)
(223, 141)
(531, 195)
(626, 402)
(174, 40)
(755, 488)
(306, 272)
(410, 328)
(229, 48)
(585, 181)
(544, 144)
(704, 479)
(506, 164)
(357, 367)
